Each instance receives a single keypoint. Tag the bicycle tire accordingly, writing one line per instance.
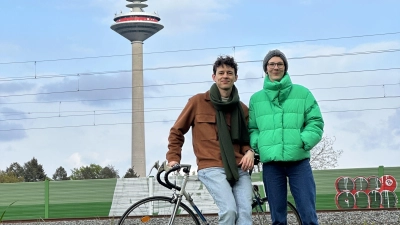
(293, 214)
(161, 208)
(262, 215)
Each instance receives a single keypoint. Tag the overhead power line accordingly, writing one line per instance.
(189, 66)
(63, 75)
(93, 113)
(170, 121)
(344, 72)
(186, 83)
(207, 48)
(62, 114)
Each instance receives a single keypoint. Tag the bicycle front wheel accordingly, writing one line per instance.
(293, 216)
(157, 211)
(261, 214)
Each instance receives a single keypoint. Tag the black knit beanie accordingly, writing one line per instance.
(274, 53)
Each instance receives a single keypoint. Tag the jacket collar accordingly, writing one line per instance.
(278, 91)
(207, 96)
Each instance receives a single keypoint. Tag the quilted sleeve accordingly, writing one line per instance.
(253, 128)
(313, 123)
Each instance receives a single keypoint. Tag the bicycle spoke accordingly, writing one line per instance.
(157, 210)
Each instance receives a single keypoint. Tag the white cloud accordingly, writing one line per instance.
(214, 23)
(75, 160)
(15, 87)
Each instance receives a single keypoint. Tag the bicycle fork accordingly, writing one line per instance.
(177, 203)
(178, 199)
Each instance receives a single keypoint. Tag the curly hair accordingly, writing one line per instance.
(227, 61)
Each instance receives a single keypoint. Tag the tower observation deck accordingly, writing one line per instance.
(137, 26)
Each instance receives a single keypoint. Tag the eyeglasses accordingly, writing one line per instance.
(272, 65)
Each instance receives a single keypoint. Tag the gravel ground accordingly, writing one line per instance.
(381, 217)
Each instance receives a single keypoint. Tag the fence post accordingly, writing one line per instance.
(151, 186)
(381, 171)
(46, 199)
(151, 193)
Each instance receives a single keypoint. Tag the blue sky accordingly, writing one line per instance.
(56, 34)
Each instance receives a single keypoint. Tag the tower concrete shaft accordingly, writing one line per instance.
(137, 26)
(138, 157)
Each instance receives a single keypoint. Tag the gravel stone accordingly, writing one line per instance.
(378, 217)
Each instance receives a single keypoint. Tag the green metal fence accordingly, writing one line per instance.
(93, 198)
(57, 199)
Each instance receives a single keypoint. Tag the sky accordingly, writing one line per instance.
(65, 79)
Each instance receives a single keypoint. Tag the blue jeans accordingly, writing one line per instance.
(302, 187)
(234, 203)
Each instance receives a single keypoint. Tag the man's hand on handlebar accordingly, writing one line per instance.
(172, 163)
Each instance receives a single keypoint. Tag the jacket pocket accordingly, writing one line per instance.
(302, 143)
(205, 127)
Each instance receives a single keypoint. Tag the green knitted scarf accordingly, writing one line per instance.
(237, 134)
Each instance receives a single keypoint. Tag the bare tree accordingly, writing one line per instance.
(323, 155)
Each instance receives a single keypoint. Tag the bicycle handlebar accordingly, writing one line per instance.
(186, 169)
(165, 168)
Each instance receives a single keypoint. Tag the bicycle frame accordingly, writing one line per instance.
(174, 204)
(177, 197)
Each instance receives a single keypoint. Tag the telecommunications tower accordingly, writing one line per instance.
(137, 26)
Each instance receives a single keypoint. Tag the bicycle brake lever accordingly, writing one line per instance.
(164, 167)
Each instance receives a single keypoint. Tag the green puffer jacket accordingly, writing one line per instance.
(285, 121)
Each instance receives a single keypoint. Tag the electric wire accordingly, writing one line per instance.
(173, 84)
(61, 114)
(186, 66)
(190, 66)
(170, 121)
(184, 96)
(207, 48)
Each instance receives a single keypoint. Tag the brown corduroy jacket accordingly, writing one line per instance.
(200, 115)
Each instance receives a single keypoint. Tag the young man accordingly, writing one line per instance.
(285, 124)
(220, 142)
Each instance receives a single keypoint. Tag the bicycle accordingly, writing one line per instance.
(162, 210)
